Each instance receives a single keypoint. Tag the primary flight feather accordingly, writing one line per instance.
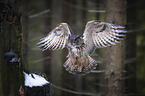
(97, 34)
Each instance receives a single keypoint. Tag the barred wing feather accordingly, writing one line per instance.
(87, 36)
(101, 34)
(57, 38)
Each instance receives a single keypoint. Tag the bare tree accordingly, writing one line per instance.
(114, 56)
(66, 14)
(48, 25)
(24, 9)
(10, 41)
(56, 67)
(131, 48)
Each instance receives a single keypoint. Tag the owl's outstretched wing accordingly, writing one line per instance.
(57, 38)
(100, 34)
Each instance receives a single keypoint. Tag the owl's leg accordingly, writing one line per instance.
(70, 65)
(80, 66)
(92, 65)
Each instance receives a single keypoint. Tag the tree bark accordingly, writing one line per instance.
(57, 62)
(114, 56)
(98, 6)
(66, 14)
(131, 48)
(10, 33)
(25, 19)
(48, 25)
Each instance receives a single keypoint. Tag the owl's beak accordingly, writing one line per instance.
(71, 42)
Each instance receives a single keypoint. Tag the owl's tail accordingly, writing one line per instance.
(76, 67)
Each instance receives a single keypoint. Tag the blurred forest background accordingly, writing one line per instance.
(36, 18)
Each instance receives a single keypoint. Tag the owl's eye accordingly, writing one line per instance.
(77, 41)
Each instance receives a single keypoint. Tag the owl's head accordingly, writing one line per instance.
(76, 39)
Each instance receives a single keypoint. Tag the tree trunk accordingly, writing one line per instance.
(48, 25)
(84, 13)
(114, 56)
(10, 33)
(57, 61)
(131, 48)
(66, 14)
(24, 10)
(98, 6)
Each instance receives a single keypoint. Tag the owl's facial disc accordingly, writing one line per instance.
(75, 40)
(78, 40)
(71, 39)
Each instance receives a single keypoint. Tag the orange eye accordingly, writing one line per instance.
(74, 41)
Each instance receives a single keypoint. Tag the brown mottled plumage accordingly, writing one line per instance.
(96, 35)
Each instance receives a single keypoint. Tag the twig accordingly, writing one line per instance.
(101, 85)
(130, 60)
(74, 92)
(97, 71)
(97, 11)
(79, 7)
(137, 30)
(39, 60)
(132, 94)
(127, 77)
(41, 13)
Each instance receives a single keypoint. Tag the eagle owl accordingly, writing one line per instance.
(97, 34)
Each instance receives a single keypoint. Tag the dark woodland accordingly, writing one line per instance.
(120, 69)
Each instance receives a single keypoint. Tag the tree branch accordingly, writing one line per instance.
(41, 13)
(74, 92)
